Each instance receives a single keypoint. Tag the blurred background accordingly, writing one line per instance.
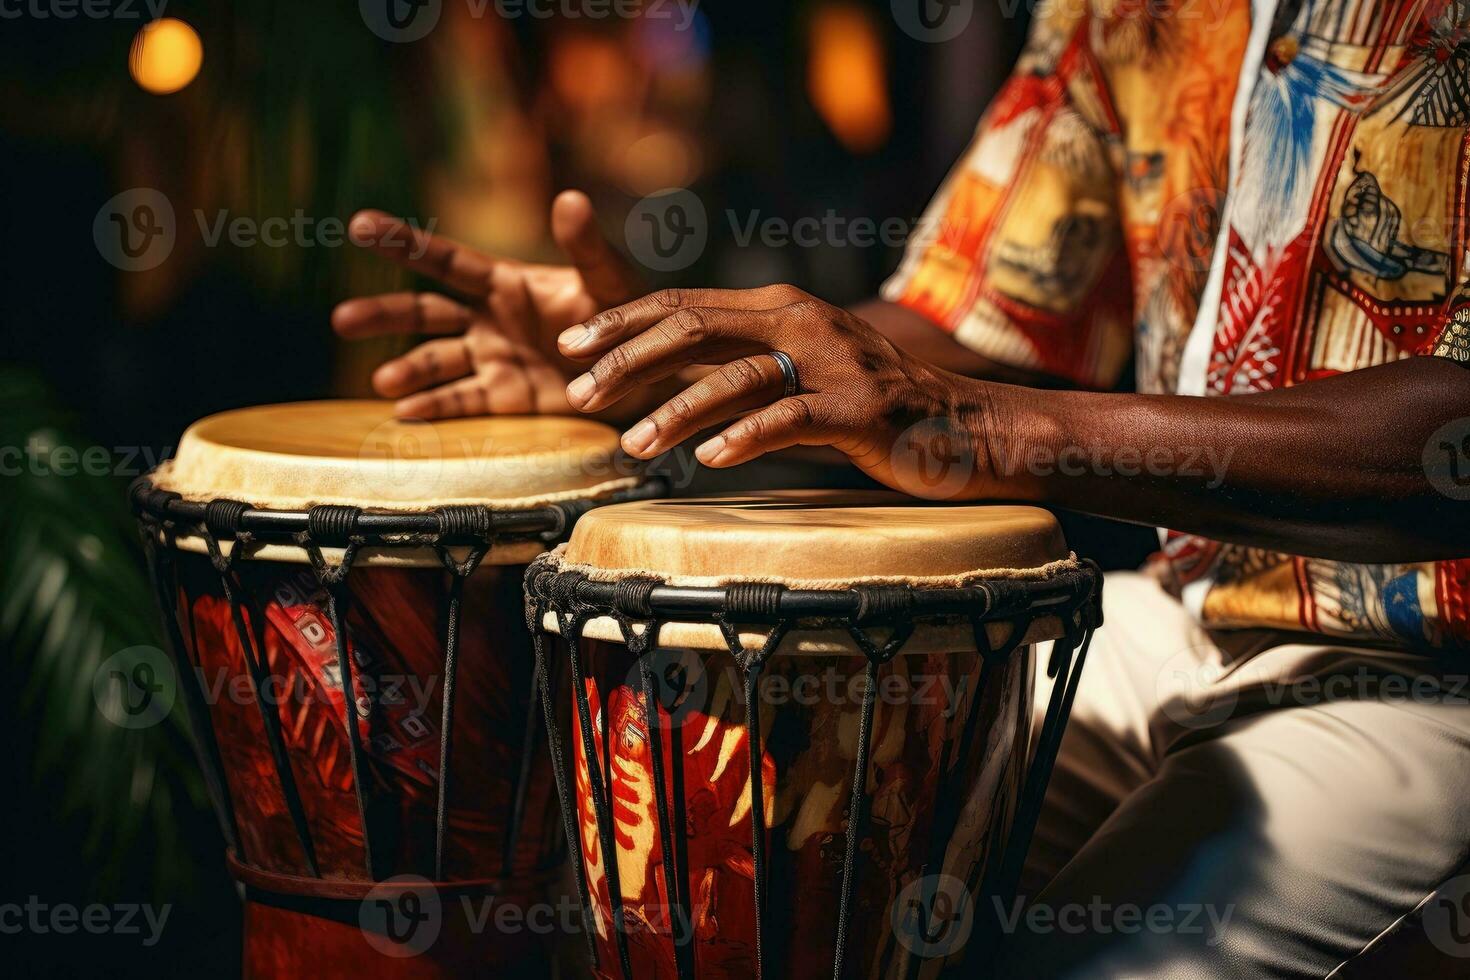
(303, 112)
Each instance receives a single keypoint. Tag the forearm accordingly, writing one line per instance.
(918, 337)
(1332, 468)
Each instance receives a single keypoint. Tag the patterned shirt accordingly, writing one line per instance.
(1089, 223)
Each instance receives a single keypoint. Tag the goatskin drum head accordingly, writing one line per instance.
(355, 453)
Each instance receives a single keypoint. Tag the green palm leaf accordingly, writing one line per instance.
(73, 591)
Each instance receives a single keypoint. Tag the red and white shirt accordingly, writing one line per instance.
(1235, 197)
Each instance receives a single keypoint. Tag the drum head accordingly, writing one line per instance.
(813, 539)
(355, 453)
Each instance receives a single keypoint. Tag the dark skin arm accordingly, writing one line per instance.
(1330, 469)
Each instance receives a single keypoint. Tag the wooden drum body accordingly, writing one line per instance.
(887, 649)
(304, 550)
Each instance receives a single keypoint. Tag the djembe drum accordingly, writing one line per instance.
(893, 790)
(305, 551)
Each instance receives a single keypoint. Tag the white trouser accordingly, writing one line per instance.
(1232, 813)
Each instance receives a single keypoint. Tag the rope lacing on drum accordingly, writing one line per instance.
(560, 592)
(163, 573)
(631, 611)
(332, 525)
(465, 531)
(541, 582)
(222, 522)
(460, 523)
(743, 602)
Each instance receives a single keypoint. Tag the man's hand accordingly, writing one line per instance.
(497, 354)
(1335, 468)
(891, 414)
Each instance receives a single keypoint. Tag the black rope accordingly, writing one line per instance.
(755, 599)
(883, 603)
(752, 601)
(855, 813)
(329, 524)
(631, 600)
(1072, 597)
(455, 521)
(559, 763)
(601, 804)
(510, 846)
(631, 597)
(1064, 691)
(259, 682)
(164, 575)
(680, 929)
(949, 806)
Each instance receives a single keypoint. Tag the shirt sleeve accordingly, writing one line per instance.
(1019, 255)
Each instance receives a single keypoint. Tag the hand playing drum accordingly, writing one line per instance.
(494, 351)
(806, 372)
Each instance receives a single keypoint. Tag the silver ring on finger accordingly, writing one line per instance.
(789, 383)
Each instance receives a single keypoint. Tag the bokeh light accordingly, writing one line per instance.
(166, 56)
(847, 77)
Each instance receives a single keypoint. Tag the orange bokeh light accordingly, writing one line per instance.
(847, 78)
(166, 56)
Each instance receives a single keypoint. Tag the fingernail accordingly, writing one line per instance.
(640, 437)
(581, 389)
(711, 451)
(574, 337)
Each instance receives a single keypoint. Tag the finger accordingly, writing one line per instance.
(609, 277)
(456, 265)
(613, 326)
(806, 420)
(548, 389)
(692, 335)
(498, 390)
(371, 316)
(508, 389)
(431, 363)
(737, 387)
(511, 306)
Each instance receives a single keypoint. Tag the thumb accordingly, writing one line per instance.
(609, 278)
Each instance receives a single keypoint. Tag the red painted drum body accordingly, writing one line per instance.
(889, 651)
(808, 751)
(307, 551)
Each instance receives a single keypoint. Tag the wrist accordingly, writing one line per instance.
(1013, 427)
